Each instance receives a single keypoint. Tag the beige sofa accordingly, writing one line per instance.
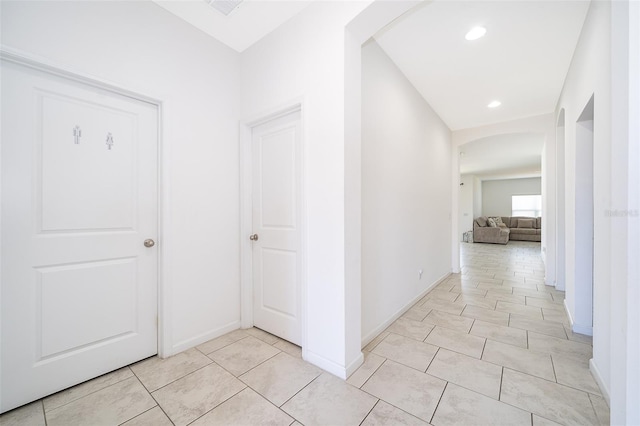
(511, 228)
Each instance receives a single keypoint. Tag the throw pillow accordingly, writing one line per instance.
(498, 220)
(525, 223)
(482, 221)
(491, 222)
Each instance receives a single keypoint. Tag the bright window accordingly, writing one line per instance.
(526, 205)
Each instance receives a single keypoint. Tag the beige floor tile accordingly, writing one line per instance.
(30, 414)
(552, 345)
(539, 326)
(453, 322)
(547, 399)
(477, 301)
(494, 290)
(262, 335)
(417, 330)
(519, 359)
(280, 377)
(479, 376)
(532, 293)
(454, 308)
(601, 408)
(384, 414)
(112, 405)
(574, 373)
(445, 286)
(515, 308)
(83, 389)
(153, 417)
(488, 315)
(155, 372)
(190, 397)
(408, 389)
(371, 363)
(222, 341)
(290, 348)
(512, 336)
(469, 291)
(379, 338)
(544, 303)
(457, 341)
(416, 313)
(460, 406)
(242, 356)
(406, 351)
(555, 316)
(541, 421)
(518, 300)
(441, 295)
(245, 408)
(330, 401)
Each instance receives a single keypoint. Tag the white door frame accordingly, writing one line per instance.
(165, 343)
(246, 219)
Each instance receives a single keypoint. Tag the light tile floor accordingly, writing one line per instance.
(489, 346)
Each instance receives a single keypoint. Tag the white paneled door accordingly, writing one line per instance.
(79, 199)
(276, 171)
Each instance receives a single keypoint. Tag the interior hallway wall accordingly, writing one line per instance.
(304, 60)
(590, 75)
(142, 47)
(406, 196)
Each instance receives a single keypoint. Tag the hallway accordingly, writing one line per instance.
(488, 346)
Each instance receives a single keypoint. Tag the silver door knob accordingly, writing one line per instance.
(253, 237)
(149, 243)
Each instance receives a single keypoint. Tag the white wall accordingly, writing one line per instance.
(305, 59)
(477, 198)
(466, 194)
(142, 47)
(589, 74)
(405, 195)
(496, 194)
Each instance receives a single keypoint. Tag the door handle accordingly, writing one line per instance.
(253, 237)
(149, 243)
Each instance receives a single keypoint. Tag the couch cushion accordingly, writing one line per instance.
(481, 221)
(538, 223)
(527, 231)
(506, 221)
(497, 219)
(491, 222)
(526, 223)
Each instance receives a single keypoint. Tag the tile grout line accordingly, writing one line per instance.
(44, 413)
(154, 400)
(375, 371)
(369, 412)
(438, 404)
(145, 411)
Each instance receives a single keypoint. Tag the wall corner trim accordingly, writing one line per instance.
(329, 365)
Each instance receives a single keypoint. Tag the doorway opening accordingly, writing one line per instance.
(584, 220)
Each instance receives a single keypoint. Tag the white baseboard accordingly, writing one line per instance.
(331, 366)
(577, 328)
(354, 365)
(598, 378)
(373, 334)
(203, 337)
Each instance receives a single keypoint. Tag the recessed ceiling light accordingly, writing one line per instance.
(494, 104)
(475, 33)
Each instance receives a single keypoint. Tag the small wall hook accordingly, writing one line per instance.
(77, 134)
(109, 141)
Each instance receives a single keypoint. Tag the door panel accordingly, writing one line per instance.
(79, 197)
(276, 169)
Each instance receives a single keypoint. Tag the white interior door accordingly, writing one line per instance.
(276, 171)
(79, 197)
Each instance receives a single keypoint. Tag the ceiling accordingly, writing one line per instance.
(503, 156)
(247, 24)
(521, 61)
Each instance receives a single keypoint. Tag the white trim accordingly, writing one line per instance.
(595, 372)
(372, 335)
(205, 337)
(246, 283)
(164, 336)
(576, 328)
(354, 365)
(328, 365)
